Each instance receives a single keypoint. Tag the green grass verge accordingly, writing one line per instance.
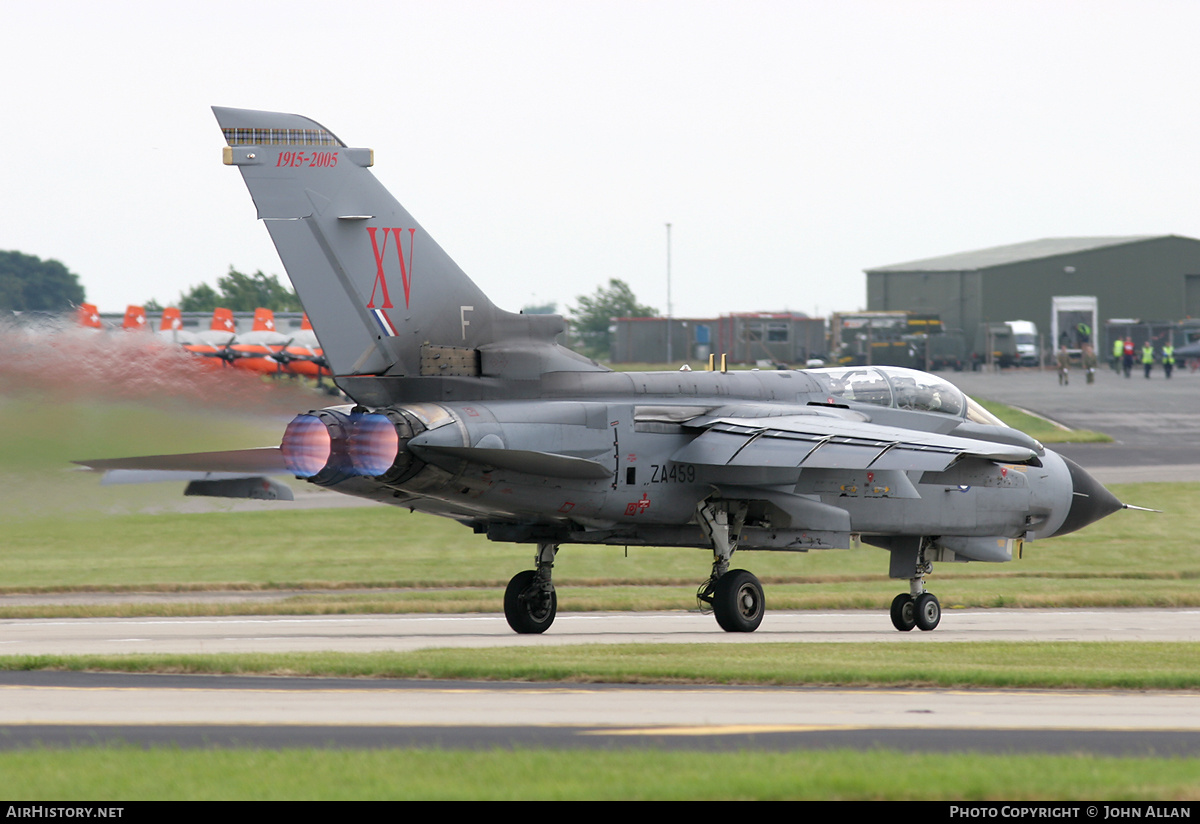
(1029, 665)
(122, 774)
(1040, 428)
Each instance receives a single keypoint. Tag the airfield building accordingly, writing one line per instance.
(1145, 277)
(748, 337)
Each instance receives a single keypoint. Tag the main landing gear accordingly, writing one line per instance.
(734, 596)
(736, 599)
(917, 608)
(530, 602)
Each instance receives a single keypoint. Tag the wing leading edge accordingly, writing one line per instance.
(811, 442)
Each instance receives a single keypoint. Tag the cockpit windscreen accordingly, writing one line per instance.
(895, 387)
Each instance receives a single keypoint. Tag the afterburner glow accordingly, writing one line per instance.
(306, 446)
(373, 445)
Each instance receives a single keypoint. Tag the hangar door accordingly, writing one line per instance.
(1191, 296)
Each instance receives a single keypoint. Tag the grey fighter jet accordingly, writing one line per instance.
(464, 410)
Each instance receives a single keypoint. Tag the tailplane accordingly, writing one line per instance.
(384, 299)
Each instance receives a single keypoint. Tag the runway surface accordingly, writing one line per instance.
(403, 633)
(213, 710)
(200, 711)
(1157, 433)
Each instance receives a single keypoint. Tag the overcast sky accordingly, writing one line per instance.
(546, 145)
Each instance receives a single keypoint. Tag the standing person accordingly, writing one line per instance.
(1117, 350)
(1148, 357)
(1089, 362)
(1168, 358)
(1127, 356)
(1064, 364)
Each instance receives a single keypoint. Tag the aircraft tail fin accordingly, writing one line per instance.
(135, 318)
(88, 316)
(172, 320)
(222, 321)
(383, 297)
(264, 320)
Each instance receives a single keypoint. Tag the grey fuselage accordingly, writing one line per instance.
(637, 429)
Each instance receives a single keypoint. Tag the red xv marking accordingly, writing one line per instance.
(380, 251)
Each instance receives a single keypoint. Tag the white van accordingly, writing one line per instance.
(1025, 335)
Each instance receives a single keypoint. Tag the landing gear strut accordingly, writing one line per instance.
(530, 602)
(734, 596)
(917, 608)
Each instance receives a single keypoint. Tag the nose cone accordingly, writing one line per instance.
(1089, 500)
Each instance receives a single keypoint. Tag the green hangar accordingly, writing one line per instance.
(1149, 277)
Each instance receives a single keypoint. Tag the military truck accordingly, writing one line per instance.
(995, 346)
(892, 338)
(947, 350)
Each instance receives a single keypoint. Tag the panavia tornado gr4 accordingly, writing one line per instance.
(470, 412)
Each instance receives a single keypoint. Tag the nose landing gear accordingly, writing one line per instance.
(924, 611)
(917, 608)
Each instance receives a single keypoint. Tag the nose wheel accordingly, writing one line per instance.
(923, 612)
(915, 608)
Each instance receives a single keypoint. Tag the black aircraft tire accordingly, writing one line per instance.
(738, 602)
(528, 615)
(904, 612)
(928, 611)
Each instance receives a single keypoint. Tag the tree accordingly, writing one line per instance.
(591, 318)
(550, 308)
(202, 298)
(241, 293)
(29, 284)
(245, 293)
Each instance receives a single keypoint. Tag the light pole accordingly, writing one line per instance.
(670, 350)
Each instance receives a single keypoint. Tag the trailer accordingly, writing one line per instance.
(1073, 322)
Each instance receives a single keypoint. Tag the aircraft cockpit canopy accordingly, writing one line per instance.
(900, 388)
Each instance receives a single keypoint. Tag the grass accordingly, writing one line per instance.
(1025, 665)
(123, 773)
(1038, 427)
